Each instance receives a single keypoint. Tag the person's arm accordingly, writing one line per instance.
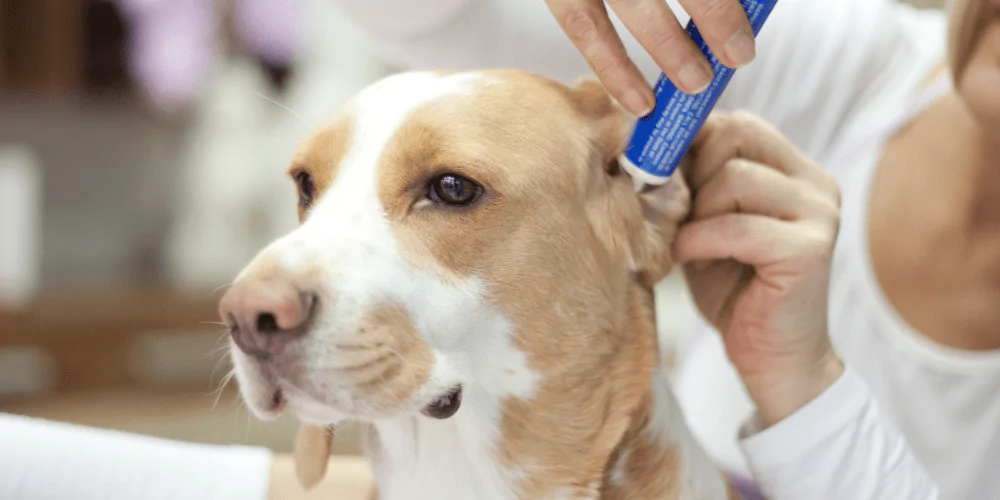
(839, 445)
(41, 460)
(757, 252)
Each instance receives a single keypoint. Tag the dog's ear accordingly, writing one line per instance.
(639, 221)
(663, 210)
(312, 453)
(610, 124)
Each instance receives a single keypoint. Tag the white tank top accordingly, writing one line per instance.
(945, 401)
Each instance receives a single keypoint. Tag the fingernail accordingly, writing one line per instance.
(695, 77)
(638, 102)
(740, 48)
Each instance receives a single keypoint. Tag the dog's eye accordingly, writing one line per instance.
(306, 188)
(454, 190)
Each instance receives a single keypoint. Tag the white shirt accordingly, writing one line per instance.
(836, 78)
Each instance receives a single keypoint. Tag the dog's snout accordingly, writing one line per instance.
(264, 316)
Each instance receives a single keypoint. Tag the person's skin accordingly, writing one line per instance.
(723, 23)
(934, 220)
(757, 253)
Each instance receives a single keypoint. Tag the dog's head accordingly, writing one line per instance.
(458, 231)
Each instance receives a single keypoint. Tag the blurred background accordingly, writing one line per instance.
(143, 147)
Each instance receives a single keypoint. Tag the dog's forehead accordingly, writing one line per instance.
(381, 108)
(501, 128)
(362, 127)
(377, 113)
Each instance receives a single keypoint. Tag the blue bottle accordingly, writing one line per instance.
(662, 137)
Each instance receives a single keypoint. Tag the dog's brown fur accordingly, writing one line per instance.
(563, 209)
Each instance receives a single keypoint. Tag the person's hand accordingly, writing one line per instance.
(757, 253)
(723, 23)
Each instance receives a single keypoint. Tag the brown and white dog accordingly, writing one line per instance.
(473, 276)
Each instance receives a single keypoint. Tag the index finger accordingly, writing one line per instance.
(587, 24)
(725, 27)
(655, 27)
(740, 135)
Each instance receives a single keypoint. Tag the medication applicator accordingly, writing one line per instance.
(662, 137)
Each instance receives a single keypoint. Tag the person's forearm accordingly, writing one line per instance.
(839, 445)
(42, 460)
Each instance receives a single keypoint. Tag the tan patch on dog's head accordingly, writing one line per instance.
(322, 153)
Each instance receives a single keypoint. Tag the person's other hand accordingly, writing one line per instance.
(723, 23)
(757, 253)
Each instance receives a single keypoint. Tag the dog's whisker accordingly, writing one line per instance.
(246, 433)
(220, 351)
(222, 342)
(220, 287)
(219, 348)
(218, 364)
(282, 106)
(217, 351)
(222, 387)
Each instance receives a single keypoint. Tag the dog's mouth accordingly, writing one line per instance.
(277, 403)
(445, 406)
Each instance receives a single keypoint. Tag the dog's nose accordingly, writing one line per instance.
(265, 315)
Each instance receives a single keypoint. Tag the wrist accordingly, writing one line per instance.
(783, 390)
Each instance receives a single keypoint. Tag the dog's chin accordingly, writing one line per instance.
(266, 400)
(275, 406)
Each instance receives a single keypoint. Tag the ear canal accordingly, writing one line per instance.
(312, 453)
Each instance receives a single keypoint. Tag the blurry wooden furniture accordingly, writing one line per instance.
(88, 332)
(61, 46)
(42, 44)
(90, 336)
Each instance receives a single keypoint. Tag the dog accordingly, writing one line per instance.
(473, 277)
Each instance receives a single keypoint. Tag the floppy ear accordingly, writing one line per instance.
(641, 222)
(312, 452)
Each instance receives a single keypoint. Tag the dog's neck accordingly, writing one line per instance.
(609, 431)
